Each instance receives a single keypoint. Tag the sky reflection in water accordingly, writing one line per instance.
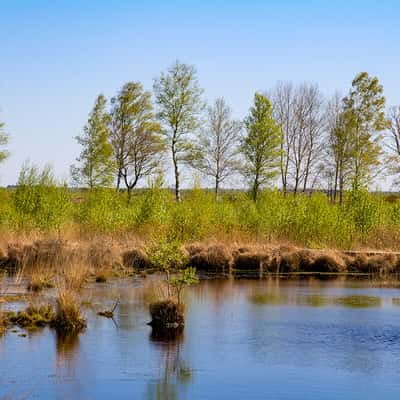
(244, 339)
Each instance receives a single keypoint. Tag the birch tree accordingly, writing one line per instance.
(95, 164)
(393, 143)
(179, 101)
(283, 98)
(261, 146)
(340, 146)
(364, 112)
(216, 150)
(135, 135)
(299, 112)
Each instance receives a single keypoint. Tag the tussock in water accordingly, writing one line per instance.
(32, 317)
(167, 314)
(136, 258)
(68, 316)
(213, 258)
(39, 285)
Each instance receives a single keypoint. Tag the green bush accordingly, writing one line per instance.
(40, 203)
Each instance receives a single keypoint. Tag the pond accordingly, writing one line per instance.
(244, 339)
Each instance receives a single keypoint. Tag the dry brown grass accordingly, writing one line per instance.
(136, 258)
(43, 261)
(68, 316)
(4, 322)
(216, 257)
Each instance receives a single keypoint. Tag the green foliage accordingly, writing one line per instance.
(166, 253)
(307, 220)
(179, 100)
(183, 279)
(153, 205)
(365, 211)
(364, 117)
(261, 146)
(39, 202)
(135, 135)
(105, 211)
(4, 139)
(96, 166)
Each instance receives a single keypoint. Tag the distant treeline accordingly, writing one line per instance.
(293, 137)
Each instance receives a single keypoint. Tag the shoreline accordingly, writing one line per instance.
(104, 257)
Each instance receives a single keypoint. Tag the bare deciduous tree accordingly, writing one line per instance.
(393, 143)
(215, 153)
(282, 97)
(299, 112)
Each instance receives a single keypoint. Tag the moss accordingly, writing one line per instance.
(32, 317)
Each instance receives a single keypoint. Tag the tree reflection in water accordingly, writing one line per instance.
(174, 371)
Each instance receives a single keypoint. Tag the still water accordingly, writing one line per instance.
(244, 339)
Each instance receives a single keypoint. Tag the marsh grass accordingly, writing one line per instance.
(40, 279)
(4, 322)
(68, 316)
(33, 317)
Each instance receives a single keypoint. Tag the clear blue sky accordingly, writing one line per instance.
(57, 55)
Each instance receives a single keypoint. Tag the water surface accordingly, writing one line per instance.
(244, 339)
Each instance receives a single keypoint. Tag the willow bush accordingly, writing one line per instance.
(311, 220)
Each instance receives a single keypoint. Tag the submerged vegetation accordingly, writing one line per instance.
(65, 319)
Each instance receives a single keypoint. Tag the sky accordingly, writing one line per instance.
(56, 56)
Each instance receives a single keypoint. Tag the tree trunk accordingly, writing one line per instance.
(118, 182)
(176, 170)
(255, 188)
(216, 187)
(335, 184)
